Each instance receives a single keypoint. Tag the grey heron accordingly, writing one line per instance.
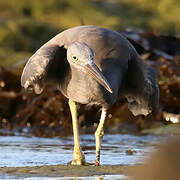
(93, 65)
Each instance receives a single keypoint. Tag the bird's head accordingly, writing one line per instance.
(81, 56)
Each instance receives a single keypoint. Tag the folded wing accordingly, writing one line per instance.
(47, 65)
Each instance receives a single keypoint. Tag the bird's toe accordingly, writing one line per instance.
(78, 162)
(97, 163)
(78, 158)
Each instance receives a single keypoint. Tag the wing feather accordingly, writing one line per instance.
(38, 70)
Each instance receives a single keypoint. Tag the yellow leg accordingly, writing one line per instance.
(98, 136)
(78, 156)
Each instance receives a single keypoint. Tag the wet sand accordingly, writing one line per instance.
(62, 171)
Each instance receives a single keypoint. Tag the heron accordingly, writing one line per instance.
(93, 65)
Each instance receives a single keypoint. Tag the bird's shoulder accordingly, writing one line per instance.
(90, 34)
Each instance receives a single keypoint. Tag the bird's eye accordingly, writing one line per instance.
(75, 58)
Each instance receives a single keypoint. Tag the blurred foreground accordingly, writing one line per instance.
(163, 164)
(48, 114)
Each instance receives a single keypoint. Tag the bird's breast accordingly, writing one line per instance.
(84, 89)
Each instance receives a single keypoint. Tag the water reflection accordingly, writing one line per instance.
(17, 151)
(103, 177)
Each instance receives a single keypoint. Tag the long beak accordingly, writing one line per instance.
(94, 71)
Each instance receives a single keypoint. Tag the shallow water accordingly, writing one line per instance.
(19, 151)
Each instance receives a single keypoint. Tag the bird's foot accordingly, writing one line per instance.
(78, 162)
(78, 158)
(97, 163)
(81, 163)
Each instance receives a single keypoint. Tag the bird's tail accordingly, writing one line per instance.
(151, 88)
(143, 94)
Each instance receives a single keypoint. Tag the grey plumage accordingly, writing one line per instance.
(115, 57)
(93, 65)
